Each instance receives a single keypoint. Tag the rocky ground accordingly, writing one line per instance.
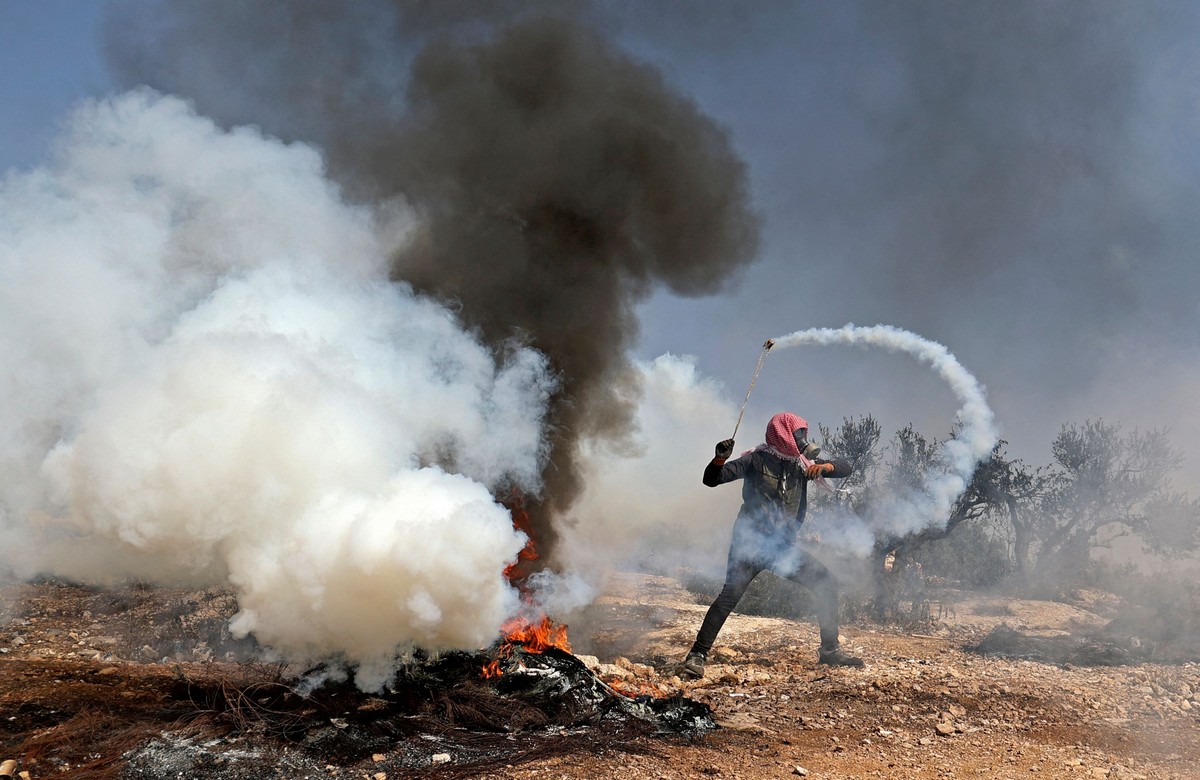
(143, 683)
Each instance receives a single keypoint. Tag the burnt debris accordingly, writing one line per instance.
(440, 711)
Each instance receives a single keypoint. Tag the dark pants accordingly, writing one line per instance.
(753, 552)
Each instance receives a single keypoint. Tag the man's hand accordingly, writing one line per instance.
(818, 470)
(725, 449)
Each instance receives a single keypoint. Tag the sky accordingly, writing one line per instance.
(1018, 181)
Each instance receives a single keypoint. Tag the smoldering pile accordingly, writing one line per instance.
(550, 687)
(439, 711)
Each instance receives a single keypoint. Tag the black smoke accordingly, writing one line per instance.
(558, 180)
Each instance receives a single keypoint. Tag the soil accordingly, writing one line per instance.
(146, 683)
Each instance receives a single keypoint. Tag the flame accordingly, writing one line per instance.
(531, 637)
(518, 571)
(492, 670)
(532, 634)
(536, 637)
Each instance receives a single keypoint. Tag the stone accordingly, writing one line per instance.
(612, 670)
(590, 661)
(440, 758)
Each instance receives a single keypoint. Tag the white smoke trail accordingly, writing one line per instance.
(210, 378)
(932, 504)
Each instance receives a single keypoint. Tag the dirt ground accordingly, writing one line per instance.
(144, 683)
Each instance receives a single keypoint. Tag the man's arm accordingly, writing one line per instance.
(721, 470)
(829, 468)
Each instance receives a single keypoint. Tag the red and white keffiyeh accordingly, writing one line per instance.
(781, 441)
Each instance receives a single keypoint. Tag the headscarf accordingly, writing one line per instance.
(780, 434)
(781, 441)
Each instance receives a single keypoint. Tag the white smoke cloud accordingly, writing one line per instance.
(648, 508)
(210, 378)
(931, 505)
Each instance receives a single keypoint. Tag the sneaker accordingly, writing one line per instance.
(693, 665)
(837, 657)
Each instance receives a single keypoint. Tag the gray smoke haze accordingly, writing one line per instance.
(1016, 180)
(557, 181)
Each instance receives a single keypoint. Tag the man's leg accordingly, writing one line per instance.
(738, 576)
(814, 576)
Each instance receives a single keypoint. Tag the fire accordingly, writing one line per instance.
(533, 635)
(536, 638)
(517, 571)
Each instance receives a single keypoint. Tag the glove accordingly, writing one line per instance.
(818, 470)
(725, 449)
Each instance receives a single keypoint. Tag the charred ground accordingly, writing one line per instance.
(144, 683)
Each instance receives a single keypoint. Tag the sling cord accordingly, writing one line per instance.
(762, 358)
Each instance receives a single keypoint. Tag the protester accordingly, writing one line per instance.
(775, 477)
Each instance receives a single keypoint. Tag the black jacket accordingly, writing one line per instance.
(773, 488)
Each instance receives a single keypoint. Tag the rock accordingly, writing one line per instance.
(612, 670)
(590, 661)
(378, 757)
(755, 676)
(799, 770)
(742, 721)
(440, 758)
(945, 728)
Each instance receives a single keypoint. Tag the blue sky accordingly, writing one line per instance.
(50, 58)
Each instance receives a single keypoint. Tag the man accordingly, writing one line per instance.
(775, 477)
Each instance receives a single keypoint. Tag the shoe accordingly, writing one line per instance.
(693, 665)
(837, 657)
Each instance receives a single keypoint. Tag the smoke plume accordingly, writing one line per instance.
(215, 382)
(931, 505)
(644, 508)
(556, 180)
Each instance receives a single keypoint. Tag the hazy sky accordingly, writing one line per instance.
(1019, 181)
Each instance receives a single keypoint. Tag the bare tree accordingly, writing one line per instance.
(1103, 486)
(856, 441)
